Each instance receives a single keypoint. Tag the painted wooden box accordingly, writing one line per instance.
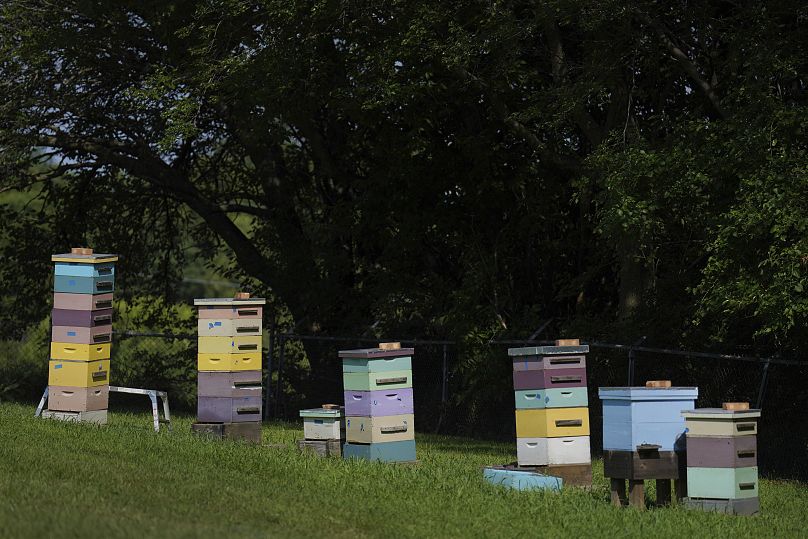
(552, 422)
(545, 451)
(721, 451)
(229, 345)
(403, 451)
(220, 308)
(375, 353)
(635, 416)
(83, 285)
(78, 373)
(743, 506)
(228, 327)
(80, 352)
(381, 364)
(720, 422)
(519, 480)
(228, 410)
(81, 335)
(229, 362)
(83, 269)
(532, 363)
(540, 351)
(99, 417)
(646, 464)
(82, 302)
(551, 398)
(549, 378)
(323, 424)
(229, 384)
(373, 381)
(86, 319)
(724, 483)
(379, 429)
(78, 399)
(379, 403)
(77, 259)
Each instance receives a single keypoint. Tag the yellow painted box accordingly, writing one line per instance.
(386, 428)
(229, 345)
(552, 422)
(229, 362)
(80, 352)
(78, 373)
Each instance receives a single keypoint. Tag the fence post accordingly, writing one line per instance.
(281, 354)
(444, 389)
(764, 379)
(268, 383)
(631, 361)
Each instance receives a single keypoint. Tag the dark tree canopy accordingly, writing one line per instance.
(452, 168)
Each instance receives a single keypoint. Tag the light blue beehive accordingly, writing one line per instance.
(521, 480)
(634, 416)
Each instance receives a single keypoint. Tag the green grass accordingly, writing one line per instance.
(123, 480)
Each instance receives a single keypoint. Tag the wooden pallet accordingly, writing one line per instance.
(647, 463)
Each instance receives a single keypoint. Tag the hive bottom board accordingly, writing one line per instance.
(98, 417)
(321, 448)
(248, 432)
(403, 451)
(521, 480)
(643, 464)
(573, 475)
(746, 506)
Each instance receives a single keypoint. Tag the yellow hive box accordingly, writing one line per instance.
(552, 422)
(78, 373)
(80, 352)
(230, 345)
(229, 362)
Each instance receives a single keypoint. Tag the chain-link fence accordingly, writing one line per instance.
(468, 390)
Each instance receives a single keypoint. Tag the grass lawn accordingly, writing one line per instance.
(123, 480)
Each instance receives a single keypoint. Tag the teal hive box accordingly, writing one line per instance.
(568, 397)
(521, 480)
(382, 364)
(634, 416)
(722, 483)
(403, 451)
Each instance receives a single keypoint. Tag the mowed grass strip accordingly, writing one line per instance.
(123, 480)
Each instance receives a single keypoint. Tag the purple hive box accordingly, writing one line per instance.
(379, 402)
(549, 378)
(228, 410)
(85, 319)
(229, 384)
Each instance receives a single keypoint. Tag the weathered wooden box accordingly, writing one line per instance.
(321, 448)
(228, 410)
(403, 451)
(80, 352)
(98, 417)
(636, 416)
(544, 451)
(743, 506)
(323, 423)
(573, 475)
(82, 302)
(373, 381)
(521, 480)
(247, 431)
(229, 384)
(380, 429)
(720, 422)
(573, 397)
(721, 451)
(722, 483)
(237, 361)
(78, 373)
(379, 403)
(77, 399)
(552, 422)
(642, 465)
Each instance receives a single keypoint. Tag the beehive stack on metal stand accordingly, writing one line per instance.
(552, 414)
(323, 430)
(81, 336)
(379, 420)
(722, 472)
(230, 337)
(644, 438)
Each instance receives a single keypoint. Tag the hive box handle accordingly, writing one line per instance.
(103, 304)
(102, 337)
(563, 360)
(569, 423)
(105, 269)
(103, 284)
(246, 385)
(396, 380)
(391, 430)
(746, 454)
(746, 486)
(248, 347)
(102, 318)
(248, 410)
(554, 379)
(100, 375)
(247, 312)
(247, 329)
(743, 427)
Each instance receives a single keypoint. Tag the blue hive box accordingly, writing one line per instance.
(634, 416)
(401, 451)
(521, 480)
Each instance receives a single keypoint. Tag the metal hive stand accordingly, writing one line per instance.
(153, 395)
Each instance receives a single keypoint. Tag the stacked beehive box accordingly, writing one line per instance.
(644, 438)
(722, 473)
(323, 430)
(379, 422)
(552, 414)
(81, 337)
(230, 336)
